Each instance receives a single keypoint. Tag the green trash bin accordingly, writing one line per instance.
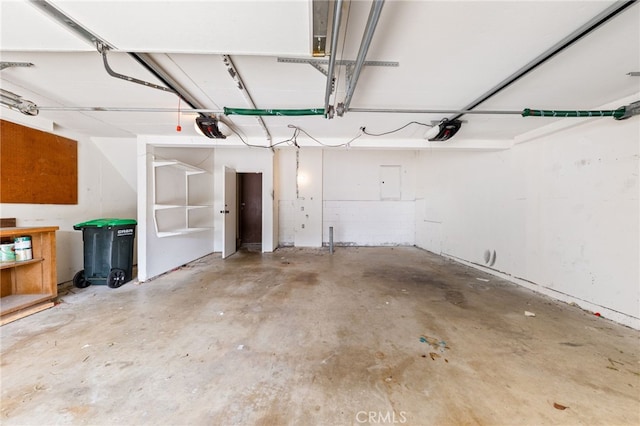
(108, 252)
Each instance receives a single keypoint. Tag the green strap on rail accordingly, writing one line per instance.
(281, 112)
(615, 113)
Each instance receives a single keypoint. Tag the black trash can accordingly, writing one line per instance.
(108, 252)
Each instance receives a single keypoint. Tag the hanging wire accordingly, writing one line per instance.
(301, 130)
(290, 141)
(364, 131)
(293, 140)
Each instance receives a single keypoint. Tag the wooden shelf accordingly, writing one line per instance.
(29, 286)
(5, 265)
(19, 231)
(16, 302)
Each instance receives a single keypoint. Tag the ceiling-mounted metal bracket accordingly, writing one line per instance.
(16, 102)
(629, 111)
(68, 22)
(634, 74)
(348, 63)
(320, 26)
(102, 49)
(349, 72)
(4, 65)
(319, 68)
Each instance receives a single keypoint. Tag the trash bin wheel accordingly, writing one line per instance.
(79, 281)
(116, 278)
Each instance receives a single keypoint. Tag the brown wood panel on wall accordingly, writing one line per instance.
(37, 167)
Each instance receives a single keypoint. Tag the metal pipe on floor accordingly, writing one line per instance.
(331, 240)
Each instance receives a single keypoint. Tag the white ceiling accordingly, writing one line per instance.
(449, 53)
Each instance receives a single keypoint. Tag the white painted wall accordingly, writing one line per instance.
(308, 204)
(106, 188)
(561, 212)
(287, 199)
(357, 204)
(343, 189)
(300, 196)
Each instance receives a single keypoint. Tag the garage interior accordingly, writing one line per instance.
(348, 212)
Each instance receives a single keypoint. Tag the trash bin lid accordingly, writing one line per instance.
(99, 223)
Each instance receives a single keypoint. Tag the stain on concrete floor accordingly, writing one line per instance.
(299, 336)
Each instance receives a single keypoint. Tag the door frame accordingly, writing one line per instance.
(229, 212)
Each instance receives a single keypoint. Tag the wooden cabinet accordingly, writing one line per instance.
(29, 286)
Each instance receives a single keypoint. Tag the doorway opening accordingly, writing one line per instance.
(249, 224)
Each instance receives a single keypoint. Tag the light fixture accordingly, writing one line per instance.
(16, 102)
(302, 178)
(208, 126)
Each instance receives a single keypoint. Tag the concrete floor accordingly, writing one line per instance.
(301, 337)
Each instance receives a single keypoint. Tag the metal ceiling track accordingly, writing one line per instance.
(103, 51)
(621, 113)
(68, 22)
(372, 22)
(150, 65)
(591, 25)
(335, 29)
(4, 64)
(103, 46)
(14, 101)
(233, 72)
(320, 18)
(350, 64)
